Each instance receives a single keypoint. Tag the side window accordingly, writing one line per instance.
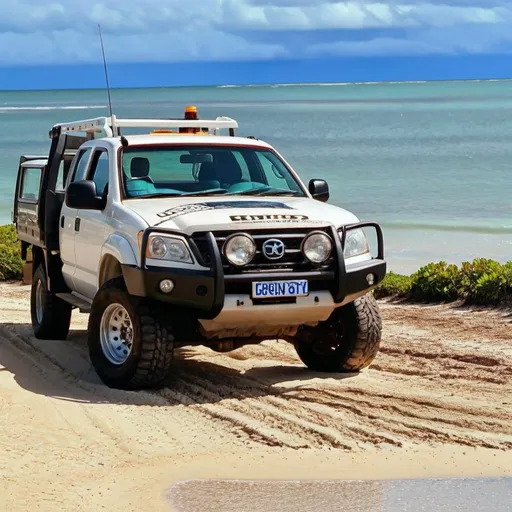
(80, 165)
(99, 170)
(30, 184)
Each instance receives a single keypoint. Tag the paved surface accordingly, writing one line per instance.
(436, 495)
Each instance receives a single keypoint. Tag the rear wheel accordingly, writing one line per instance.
(51, 316)
(347, 341)
(130, 343)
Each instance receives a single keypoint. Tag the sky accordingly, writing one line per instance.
(52, 44)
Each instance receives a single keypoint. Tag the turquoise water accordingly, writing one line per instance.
(429, 161)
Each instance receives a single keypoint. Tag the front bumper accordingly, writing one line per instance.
(208, 291)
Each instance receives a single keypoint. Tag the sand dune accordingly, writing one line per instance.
(437, 401)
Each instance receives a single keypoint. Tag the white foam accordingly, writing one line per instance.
(48, 107)
(341, 84)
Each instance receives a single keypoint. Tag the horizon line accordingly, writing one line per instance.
(270, 84)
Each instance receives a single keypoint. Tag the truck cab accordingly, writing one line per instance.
(208, 238)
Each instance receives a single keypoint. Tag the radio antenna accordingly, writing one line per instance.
(106, 73)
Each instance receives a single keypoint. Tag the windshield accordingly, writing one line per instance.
(205, 170)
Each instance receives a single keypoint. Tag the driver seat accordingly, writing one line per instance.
(208, 176)
(140, 184)
(225, 170)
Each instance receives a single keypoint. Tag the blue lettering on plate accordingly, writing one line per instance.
(280, 289)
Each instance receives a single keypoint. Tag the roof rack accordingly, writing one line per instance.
(110, 126)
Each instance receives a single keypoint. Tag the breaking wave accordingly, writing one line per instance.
(340, 84)
(462, 228)
(50, 107)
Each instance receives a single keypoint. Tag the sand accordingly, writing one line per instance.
(437, 402)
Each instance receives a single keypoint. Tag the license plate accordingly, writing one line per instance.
(298, 288)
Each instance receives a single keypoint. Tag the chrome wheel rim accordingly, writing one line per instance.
(39, 301)
(116, 334)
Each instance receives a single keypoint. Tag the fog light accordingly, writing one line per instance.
(370, 279)
(201, 290)
(166, 286)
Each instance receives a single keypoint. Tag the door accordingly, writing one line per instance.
(68, 219)
(91, 228)
(28, 203)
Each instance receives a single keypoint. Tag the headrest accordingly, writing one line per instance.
(139, 167)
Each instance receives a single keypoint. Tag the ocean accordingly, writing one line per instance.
(429, 161)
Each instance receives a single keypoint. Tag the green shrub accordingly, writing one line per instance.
(8, 235)
(436, 282)
(482, 281)
(485, 281)
(11, 265)
(393, 285)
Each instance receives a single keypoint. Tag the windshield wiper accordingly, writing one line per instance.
(263, 191)
(279, 193)
(249, 192)
(210, 192)
(260, 191)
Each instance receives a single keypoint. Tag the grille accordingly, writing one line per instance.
(292, 261)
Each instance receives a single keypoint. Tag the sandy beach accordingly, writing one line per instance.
(436, 402)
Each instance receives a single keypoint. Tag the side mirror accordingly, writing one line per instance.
(83, 195)
(319, 190)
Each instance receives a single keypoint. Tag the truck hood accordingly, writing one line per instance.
(218, 213)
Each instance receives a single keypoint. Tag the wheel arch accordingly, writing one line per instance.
(110, 268)
(116, 251)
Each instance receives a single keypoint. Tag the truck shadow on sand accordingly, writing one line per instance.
(62, 370)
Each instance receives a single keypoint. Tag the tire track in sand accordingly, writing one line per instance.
(422, 388)
(441, 377)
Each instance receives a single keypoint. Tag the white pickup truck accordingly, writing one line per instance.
(181, 236)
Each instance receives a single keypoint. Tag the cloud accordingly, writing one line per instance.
(459, 40)
(361, 15)
(214, 30)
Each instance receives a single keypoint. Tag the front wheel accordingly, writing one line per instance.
(347, 341)
(51, 316)
(130, 344)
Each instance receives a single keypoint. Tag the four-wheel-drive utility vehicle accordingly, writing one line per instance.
(181, 236)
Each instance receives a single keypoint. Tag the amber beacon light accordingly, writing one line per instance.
(190, 114)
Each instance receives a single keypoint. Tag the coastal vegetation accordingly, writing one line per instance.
(11, 265)
(479, 282)
(482, 282)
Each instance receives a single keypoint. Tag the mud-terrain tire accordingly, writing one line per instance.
(347, 341)
(144, 364)
(51, 316)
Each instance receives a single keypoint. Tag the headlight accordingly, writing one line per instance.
(317, 247)
(355, 243)
(168, 248)
(239, 250)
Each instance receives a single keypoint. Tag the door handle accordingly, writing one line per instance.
(77, 224)
(62, 221)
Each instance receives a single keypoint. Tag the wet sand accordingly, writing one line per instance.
(427, 495)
